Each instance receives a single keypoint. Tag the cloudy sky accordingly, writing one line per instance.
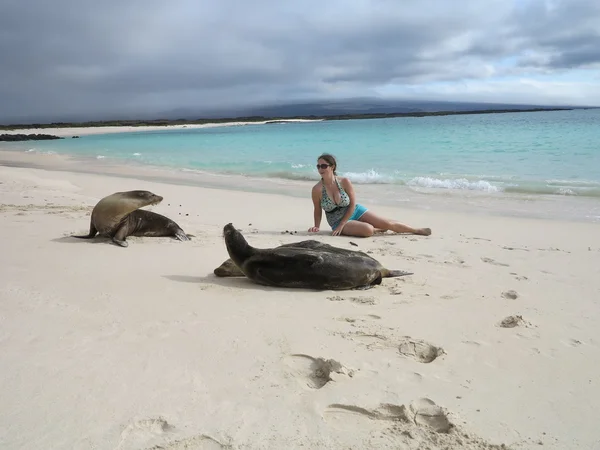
(107, 58)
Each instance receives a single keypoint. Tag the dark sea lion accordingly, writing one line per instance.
(229, 269)
(118, 216)
(307, 264)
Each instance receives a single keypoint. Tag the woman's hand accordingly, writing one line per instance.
(313, 230)
(338, 230)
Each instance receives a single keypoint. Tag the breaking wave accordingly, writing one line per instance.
(460, 183)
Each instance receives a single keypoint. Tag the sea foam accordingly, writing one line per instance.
(369, 177)
(460, 183)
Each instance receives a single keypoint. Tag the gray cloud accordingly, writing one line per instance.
(62, 58)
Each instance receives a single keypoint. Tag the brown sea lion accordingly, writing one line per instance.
(307, 264)
(118, 216)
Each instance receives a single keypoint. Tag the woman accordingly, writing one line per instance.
(336, 197)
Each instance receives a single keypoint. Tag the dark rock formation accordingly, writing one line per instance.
(27, 137)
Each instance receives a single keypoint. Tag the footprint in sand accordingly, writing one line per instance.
(316, 372)
(493, 261)
(419, 350)
(424, 412)
(200, 442)
(519, 277)
(572, 342)
(143, 430)
(370, 340)
(510, 295)
(422, 424)
(456, 261)
(365, 318)
(512, 321)
(478, 238)
(394, 290)
(473, 343)
(515, 248)
(363, 300)
(420, 413)
(350, 417)
(359, 300)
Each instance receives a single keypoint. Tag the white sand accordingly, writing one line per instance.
(106, 347)
(83, 131)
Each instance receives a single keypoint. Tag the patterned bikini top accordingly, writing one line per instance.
(328, 204)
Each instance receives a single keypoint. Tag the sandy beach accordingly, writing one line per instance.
(144, 347)
(85, 131)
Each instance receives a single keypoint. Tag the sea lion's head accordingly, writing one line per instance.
(142, 198)
(232, 235)
(237, 246)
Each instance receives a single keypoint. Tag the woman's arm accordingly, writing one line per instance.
(318, 213)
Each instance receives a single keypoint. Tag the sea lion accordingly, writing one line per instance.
(306, 264)
(118, 216)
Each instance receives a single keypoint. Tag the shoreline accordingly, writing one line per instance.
(570, 209)
(93, 130)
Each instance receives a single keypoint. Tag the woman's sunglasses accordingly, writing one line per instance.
(322, 166)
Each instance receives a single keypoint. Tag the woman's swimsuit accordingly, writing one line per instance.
(334, 212)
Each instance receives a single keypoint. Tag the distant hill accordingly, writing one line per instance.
(335, 109)
(350, 106)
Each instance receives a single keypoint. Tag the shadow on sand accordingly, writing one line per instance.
(231, 282)
(74, 240)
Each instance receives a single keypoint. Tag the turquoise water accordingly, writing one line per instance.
(545, 153)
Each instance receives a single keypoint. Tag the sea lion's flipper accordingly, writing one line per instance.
(181, 236)
(395, 273)
(121, 235)
(93, 232)
(228, 269)
(122, 243)
(364, 288)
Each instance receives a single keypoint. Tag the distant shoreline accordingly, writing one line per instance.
(63, 130)
(159, 123)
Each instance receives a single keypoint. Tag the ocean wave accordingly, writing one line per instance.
(459, 184)
(299, 176)
(40, 152)
(137, 154)
(536, 189)
(100, 157)
(370, 177)
(578, 183)
(565, 191)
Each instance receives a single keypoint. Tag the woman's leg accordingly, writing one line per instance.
(385, 224)
(358, 229)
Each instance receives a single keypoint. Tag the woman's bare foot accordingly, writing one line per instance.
(423, 231)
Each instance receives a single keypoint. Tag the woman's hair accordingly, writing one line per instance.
(330, 160)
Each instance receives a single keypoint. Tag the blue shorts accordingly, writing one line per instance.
(359, 210)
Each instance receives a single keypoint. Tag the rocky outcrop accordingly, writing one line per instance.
(27, 137)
